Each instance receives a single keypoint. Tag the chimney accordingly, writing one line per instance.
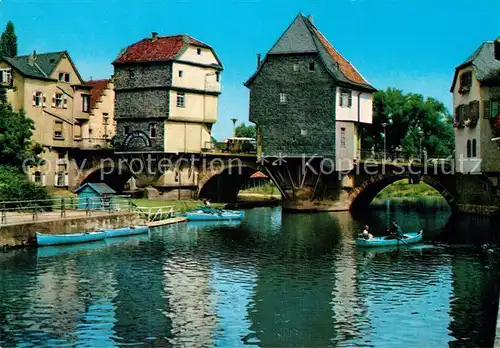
(154, 35)
(310, 17)
(258, 60)
(497, 48)
(32, 58)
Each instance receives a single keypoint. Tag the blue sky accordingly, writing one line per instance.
(413, 45)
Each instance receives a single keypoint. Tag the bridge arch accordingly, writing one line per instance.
(114, 176)
(362, 194)
(222, 184)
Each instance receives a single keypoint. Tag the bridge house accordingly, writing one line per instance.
(476, 102)
(307, 99)
(67, 112)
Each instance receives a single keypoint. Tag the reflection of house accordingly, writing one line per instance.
(50, 90)
(167, 92)
(306, 98)
(476, 102)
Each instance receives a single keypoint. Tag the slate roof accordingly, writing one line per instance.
(161, 49)
(43, 66)
(99, 187)
(302, 37)
(98, 87)
(484, 63)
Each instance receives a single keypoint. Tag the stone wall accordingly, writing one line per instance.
(144, 75)
(140, 142)
(19, 235)
(146, 103)
(305, 124)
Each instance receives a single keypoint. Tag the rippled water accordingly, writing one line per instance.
(273, 280)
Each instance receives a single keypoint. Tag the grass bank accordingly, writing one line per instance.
(179, 206)
(405, 195)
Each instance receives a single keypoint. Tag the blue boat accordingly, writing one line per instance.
(408, 238)
(73, 238)
(210, 214)
(126, 231)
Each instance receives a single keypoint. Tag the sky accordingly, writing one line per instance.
(413, 45)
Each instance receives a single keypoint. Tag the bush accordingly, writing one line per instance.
(14, 186)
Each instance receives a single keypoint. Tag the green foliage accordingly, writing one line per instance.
(14, 186)
(16, 130)
(8, 42)
(245, 131)
(407, 115)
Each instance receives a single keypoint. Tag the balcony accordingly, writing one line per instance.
(95, 143)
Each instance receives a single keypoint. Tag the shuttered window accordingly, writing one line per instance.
(58, 129)
(345, 98)
(486, 109)
(78, 130)
(465, 81)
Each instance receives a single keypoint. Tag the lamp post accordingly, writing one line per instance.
(234, 126)
(385, 124)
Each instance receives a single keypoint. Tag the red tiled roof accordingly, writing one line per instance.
(258, 175)
(345, 67)
(160, 49)
(98, 86)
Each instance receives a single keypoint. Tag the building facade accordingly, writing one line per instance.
(49, 88)
(307, 99)
(167, 92)
(476, 102)
(101, 128)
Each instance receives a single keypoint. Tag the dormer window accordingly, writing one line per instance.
(5, 76)
(64, 77)
(465, 82)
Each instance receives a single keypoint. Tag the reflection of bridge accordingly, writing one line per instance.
(309, 183)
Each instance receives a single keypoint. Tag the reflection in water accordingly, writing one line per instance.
(272, 280)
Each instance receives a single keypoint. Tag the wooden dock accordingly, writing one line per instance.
(170, 221)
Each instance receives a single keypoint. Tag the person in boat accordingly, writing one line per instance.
(206, 203)
(366, 234)
(396, 230)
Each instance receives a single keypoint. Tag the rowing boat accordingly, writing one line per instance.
(209, 214)
(73, 238)
(126, 231)
(408, 238)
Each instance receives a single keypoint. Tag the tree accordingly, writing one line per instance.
(410, 118)
(16, 130)
(8, 41)
(245, 131)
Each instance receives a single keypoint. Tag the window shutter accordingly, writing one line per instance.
(457, 115)
(44, 101)
(34, 98)
(33, 177)
(486, 109)
(54, 101)
(43, 179)
(65, 102)
(66, 179)
(349, 104)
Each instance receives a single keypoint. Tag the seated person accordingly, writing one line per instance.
(367, 235)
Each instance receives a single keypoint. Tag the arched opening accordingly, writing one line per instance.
(116, 178)
(224, 187)
(381, 189)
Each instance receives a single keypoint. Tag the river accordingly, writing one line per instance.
(275, 279)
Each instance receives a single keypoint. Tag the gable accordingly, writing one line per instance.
(296, 39)
(65, 65)
(206, 56)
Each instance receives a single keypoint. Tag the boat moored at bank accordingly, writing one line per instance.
(408, 238)
(72, 238)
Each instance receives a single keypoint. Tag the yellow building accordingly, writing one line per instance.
(50, 90)
(167, 91)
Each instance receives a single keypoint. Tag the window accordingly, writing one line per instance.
(181, 100)
(345, 98)
(85, 103)
(60, 179)
(303, 132)
(152, 131)
(59, 101)
(311, 66)
(5, 76)
(37, 99)
(296, 67)
(217, 76)
(64, 77)
(469, 149)
(342, 138)
(198, 51)
(474, 148)
(37, 177)
(126, 130)
(180, 73)
(283, 98)
(131, 74)
(58, 129)
(78, 130)
(465, 82)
